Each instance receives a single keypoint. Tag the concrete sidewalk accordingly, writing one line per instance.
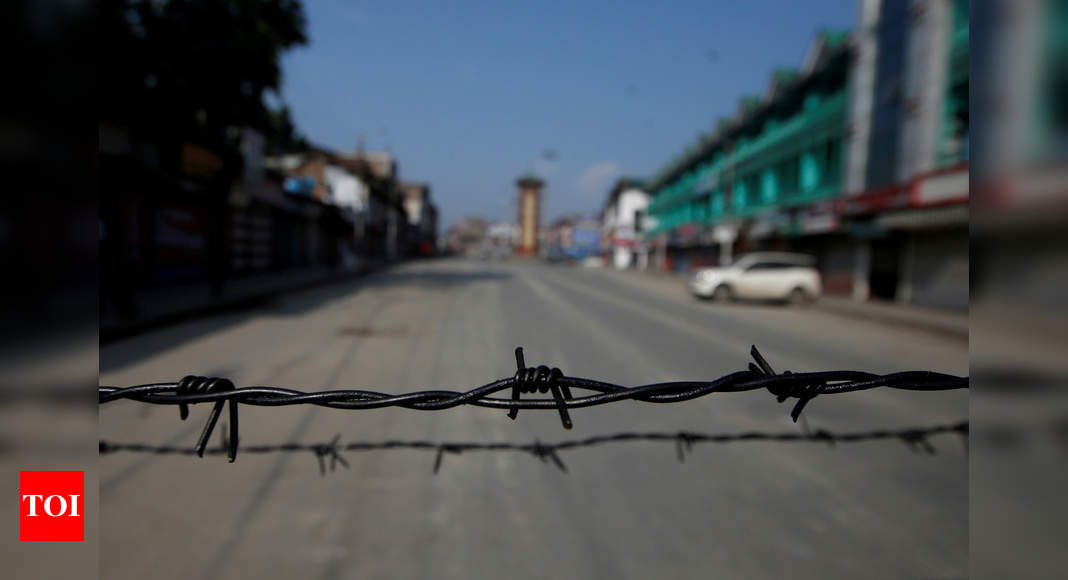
(949, 322)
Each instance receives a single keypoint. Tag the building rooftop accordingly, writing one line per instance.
(825, 47)
(622, 184)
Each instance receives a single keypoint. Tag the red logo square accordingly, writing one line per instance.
(51, 506)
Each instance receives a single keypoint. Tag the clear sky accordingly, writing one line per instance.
(468, 95)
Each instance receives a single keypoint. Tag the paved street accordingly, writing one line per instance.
(626, 510)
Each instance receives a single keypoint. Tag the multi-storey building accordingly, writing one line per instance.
(859, 158)
(907, 197)
(763, 176)
(622, 224)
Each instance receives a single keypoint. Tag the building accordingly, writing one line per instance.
(503, 235)
(187, 225)
(386, 221)
(422, 219)
(764, 177)
(313, 174)
(860, 158)
(623, 224)
(366, 187)
(557, 237)
(466, 237)
(529, 214)
(305, 174)
(906, 204)
(585, 239)
(571, 237)
(1020, 202)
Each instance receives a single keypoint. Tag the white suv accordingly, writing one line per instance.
(761, 276)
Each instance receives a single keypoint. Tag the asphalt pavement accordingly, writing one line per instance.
(627, 510)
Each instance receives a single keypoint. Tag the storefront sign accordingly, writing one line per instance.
(942, 189)
(817, 223)
(769, 225)
(925, 218)
(881, 200)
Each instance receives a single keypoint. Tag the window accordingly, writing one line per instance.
(765, 266)
(772, 265)
(769, 186)
(830, 163)
(791, 172)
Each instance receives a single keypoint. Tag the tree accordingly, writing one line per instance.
(281, 134)
(192, 68)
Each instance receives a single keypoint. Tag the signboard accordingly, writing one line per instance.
(768, 225)
(925, 218)
(817, 223)
(942, 189)
(884, 199)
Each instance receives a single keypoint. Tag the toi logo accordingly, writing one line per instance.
(51, 506)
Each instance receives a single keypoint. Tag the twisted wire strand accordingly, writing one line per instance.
(827, 382)
(541, 379)
(916, 438)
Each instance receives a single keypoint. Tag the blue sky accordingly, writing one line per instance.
(470, 95)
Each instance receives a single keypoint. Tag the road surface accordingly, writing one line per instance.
(626, 510)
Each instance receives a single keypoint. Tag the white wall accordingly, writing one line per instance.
(413, 206)
(630, 201)
(620, 224)
(346, 190)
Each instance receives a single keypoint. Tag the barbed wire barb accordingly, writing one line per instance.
(683, 444)
(546, 452)
(442, 449)
(329, 450)
(542, 379)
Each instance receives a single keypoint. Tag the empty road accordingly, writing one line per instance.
(625, 510)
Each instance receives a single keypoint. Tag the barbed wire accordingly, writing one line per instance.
(917, 439)
(541, 379)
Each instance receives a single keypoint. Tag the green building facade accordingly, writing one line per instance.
(781, 152)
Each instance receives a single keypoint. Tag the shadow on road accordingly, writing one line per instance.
(115, 354)
(437, 279)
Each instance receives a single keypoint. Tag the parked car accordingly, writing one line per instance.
(761, 276)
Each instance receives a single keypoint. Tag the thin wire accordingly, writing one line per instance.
(915, 438)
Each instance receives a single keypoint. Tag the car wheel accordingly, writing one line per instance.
(798, 296)
(722, 293)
